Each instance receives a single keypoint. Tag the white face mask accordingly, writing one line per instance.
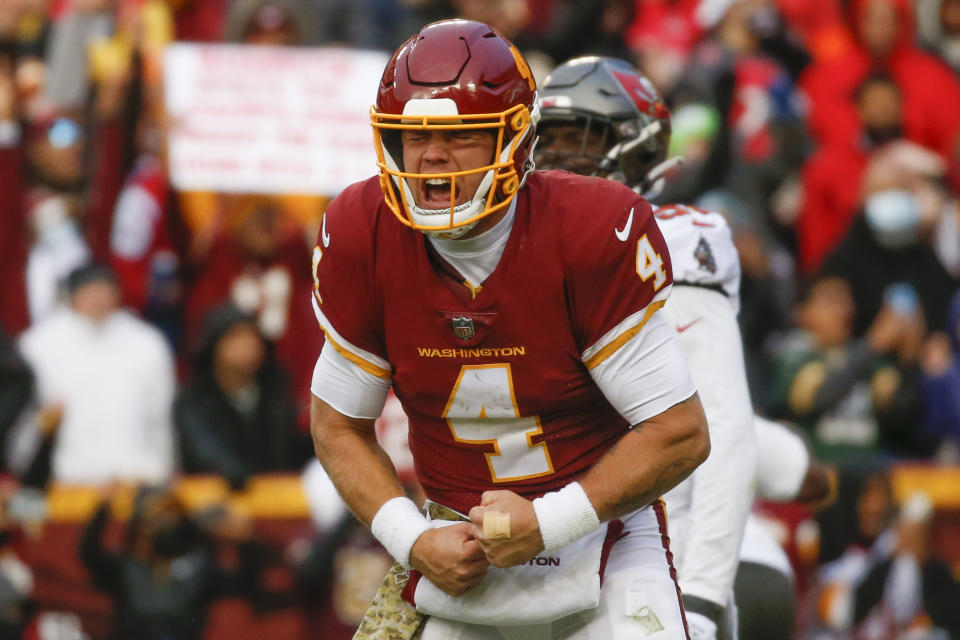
(893, 217)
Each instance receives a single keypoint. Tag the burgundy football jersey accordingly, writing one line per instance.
(496, 383)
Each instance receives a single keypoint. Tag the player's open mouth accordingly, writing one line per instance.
(435, 193)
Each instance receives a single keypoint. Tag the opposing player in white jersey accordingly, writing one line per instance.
(599, 116)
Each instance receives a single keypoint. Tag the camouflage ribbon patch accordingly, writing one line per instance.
(390, 617)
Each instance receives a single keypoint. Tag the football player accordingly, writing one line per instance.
(601, 117)
(515, 315)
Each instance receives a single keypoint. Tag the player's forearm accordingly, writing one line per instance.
(355, 462)
(649, 460)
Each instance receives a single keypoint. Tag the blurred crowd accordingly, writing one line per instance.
(147, 332)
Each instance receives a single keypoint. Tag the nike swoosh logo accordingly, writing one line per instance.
(623, 234)
(324, 236)
(682, 328)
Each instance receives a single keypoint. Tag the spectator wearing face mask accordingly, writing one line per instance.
(892, 240)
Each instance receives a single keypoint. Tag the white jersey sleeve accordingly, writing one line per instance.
(707, 512)
(701, 249)
(347, 387)
(647, 375)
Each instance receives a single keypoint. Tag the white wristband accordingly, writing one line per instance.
(564, 516)
(397, 526)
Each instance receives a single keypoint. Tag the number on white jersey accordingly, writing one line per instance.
(649, 263)
(483, 410)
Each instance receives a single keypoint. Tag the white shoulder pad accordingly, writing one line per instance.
(701, 249)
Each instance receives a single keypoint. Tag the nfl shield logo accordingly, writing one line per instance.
(463, 327)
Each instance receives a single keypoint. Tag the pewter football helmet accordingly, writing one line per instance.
(606, 97)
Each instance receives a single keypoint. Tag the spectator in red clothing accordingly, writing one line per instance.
(13, 237)
(832, 177)
(820, 25)
(884, 35)
(261, 263)
(199, 20)
(664, 34)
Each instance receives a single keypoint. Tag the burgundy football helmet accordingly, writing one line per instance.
(456, 75)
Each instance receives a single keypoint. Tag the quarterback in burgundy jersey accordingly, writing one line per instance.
(601, 117)
(514, 313)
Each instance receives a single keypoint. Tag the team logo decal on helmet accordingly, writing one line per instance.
(455, 75)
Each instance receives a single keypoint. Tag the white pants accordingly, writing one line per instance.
(639, 597)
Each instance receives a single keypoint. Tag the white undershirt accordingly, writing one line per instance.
(476, 258)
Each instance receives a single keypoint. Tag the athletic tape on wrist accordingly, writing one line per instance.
(564, 516)
(397, 526)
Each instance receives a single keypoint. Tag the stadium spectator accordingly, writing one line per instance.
(820, 26)
(259, 261)
(60, 181)
(272, 22)
(663, 34)
(869, 540)
(16, 389)
(112, 376)
(856, 398)
(833, 176)
(938, 24)
(148, 238)
(166, 574)
(760, 140)
(16, 578)
(200, 20)
(68, 85)
(14, 316)
(237, 417)
(912, 592)
(884, 34)
(941, 385)
(893, 240)
(586, 27)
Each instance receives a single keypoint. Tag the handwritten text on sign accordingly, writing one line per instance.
(270, 119)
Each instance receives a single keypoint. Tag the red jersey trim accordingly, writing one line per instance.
(615, 344)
